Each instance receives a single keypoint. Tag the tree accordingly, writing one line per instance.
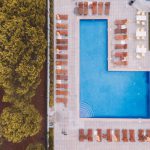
(36, 146)
(31, 11)
(22, 54)
(19, 122)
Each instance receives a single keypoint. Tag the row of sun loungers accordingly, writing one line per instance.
(120, 58)
(97, 8)
(116, 135)
(61, 59)
(141, 33)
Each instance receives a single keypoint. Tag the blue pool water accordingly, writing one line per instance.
(106, 94)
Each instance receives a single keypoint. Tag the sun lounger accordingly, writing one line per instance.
(90, 135)
(121, 22)
(62, 77)
(62, 100)
(61, 17)
(141, 136)
(124, 135)
(80, 8)
(121, 63)
(65, 86)
(99, 135)
(81, 135)
(131, 136)
(61, 26)
(121, 37)
(59, 92)
(61, 63)
(107, 8)
(148, 135)
(61, 41)
(62, 32)
(86, 8)
(100, 8)
(121, 46)
(94, 8)
(62, 47)
(109, 135)
(121, 55)
(117, 135)
(61, 56)
(120, 31)
(61, 71)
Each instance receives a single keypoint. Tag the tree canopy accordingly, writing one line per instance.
(20, 122)
(22, 49)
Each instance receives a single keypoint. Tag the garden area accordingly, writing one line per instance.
(23, 107)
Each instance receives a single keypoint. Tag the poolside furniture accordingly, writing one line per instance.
(131, 135)
(141, 136)
(148, 135)
(61, 56)
(94, 8)
(107, 8)
(61, 17)
(121, 22)
(121, 46)
(61, 41)
(61, 26)
(117, 135)
(122, 42)
(80, 8)
(62, 100)
(123, 26)
(60, 92)
(121, 55)
(81, 135)
(141, 50)
(61, 71)
(86, 8)
(90, 135)
(121, 37)
(63, 85)
(120, 31)
(124, 135)
(140, 33)
(62, 32)
(61, 63)
(62, 47)
(141, 18)
(99, 135)
(62, 77)
(109, 135)
(100, 8)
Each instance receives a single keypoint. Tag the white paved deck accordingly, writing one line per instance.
(68, 118)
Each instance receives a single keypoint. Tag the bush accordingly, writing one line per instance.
(19, 122)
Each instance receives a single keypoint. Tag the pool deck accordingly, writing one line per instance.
(67, 118)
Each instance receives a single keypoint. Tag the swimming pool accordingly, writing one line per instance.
(105, 94)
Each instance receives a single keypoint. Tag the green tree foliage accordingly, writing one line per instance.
(31, 11)
(22, 51)
(20, 122)
(37, 146)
